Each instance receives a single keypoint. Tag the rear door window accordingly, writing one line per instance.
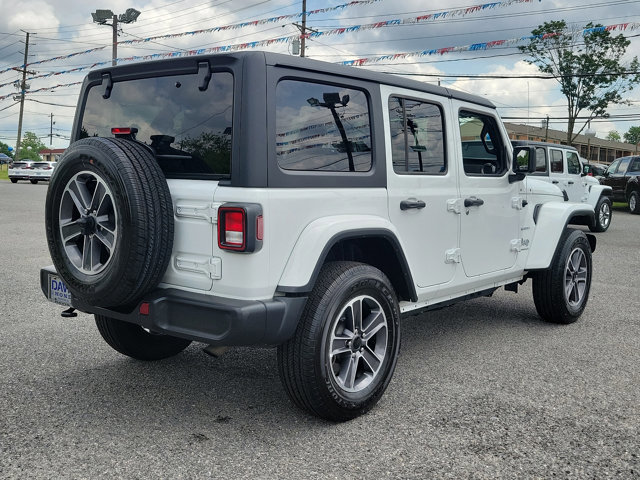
(189, 129)
(573, 163)
(556, 161)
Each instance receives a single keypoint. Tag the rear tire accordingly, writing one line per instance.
(344, 351)
(14, 180)
(603, 215)
(634, 203)
(135, 342)
(560, 292)
(35, 182)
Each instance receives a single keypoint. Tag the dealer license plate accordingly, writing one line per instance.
(58, 291)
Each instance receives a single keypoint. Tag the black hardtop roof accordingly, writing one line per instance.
(278, 59)
(531, 143)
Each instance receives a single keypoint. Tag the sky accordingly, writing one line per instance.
(63, 27)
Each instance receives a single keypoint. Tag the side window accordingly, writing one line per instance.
(635, 165)
(482, 148)
(612, 168)
(322, 127)
(541, 160)
(573, 163)
(556, 161)
(624, 163)
(417, 139)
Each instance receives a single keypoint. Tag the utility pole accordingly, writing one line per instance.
(546, 130)
(51, 131)
(304, 27)
(23, 87)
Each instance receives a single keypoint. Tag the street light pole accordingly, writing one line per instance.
(101, 17)
(114, 49)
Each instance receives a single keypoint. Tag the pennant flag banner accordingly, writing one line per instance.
(337, 31)
(253, 23)
(476, 46)
(45, 89)
(620, 27)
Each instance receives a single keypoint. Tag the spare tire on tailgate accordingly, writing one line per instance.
(109, 221)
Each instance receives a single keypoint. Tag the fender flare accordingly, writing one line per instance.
(551, 219)
(596, 192)
(301, 271)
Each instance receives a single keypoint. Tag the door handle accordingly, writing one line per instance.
(473, 202)
(554, 181)
(412, 203)
(570, 182)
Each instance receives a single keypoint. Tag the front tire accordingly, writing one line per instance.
(634, 203)
(603, 214)
(344, 351)
(14, 180)
(35, 182)
(135, 342)
(560, 292)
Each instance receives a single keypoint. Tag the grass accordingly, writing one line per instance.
(615, 204)
(4, 172)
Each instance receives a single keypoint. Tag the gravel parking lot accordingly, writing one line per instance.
(483, 389)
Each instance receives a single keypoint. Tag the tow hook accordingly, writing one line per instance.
(69, 312)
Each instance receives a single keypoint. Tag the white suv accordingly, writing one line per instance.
(562, 166)
(262, 199)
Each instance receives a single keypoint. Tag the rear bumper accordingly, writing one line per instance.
(18, 177)
(206, 318)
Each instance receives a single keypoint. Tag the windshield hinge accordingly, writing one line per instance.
(204, 75)
(208, 212)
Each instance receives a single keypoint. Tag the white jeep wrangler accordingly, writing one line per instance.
(561, 165)
(262, 199)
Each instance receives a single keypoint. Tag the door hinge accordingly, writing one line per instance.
(211, 267)
(519, 244)
(452, 256)
(454, 205)
(201, 211)
(518, 203)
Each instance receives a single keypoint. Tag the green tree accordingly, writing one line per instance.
(614, 136)
(4, 148)
(633, 136)
(30, 146)
(587, 65)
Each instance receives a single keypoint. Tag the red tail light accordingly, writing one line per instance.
(121, 131)
(47, 168)
(232, 228)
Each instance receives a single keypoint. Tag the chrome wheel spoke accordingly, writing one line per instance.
(70, 231)
(371, 360)
(576, 277)
(339, 345)
(376, 322)
(348, 374)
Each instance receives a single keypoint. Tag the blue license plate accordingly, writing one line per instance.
(58, 291)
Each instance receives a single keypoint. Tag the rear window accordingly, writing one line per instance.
(40, 165)
(19, 164)
(322, 128)
(189, 129)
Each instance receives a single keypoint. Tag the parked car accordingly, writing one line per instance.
(623, 176)
(316, 206)
(42, 171)
(595, 170)
(20, 170)
(561, 166)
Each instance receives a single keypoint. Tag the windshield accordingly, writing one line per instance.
(189, 129)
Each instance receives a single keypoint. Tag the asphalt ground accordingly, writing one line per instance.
(483, 389)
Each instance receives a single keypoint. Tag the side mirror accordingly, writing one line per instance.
(524, 159)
